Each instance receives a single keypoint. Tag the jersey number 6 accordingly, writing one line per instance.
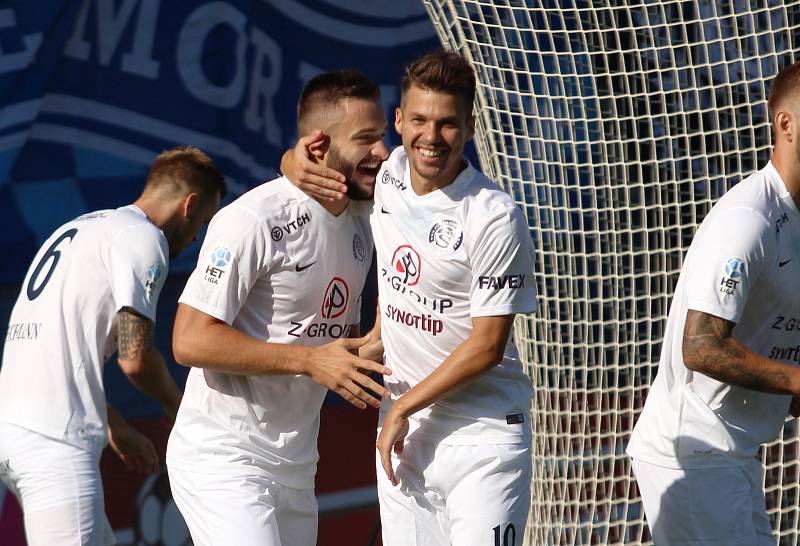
(53, 253)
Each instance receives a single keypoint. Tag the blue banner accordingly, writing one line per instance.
(92, 90)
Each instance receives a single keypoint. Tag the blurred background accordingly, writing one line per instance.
(92, 90)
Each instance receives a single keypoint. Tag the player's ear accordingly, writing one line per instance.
(470, 126)
(319, 147)
(398, 120)
(189, 204)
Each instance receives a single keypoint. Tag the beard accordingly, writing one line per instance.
(337, 162)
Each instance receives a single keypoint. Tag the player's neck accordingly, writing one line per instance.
(788, 168)
(334, 207)
(423, 186)
(155, 213)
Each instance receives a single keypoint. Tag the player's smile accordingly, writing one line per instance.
(434, 127)
(367, 170)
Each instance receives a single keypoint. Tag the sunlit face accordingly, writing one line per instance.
(434, 127)
(198, 215)
(356, 148)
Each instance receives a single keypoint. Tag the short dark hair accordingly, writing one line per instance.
(328, 88)
(783, 86)
(186, 168)
(443, 71)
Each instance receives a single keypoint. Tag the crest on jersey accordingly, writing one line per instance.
(153, 274)
(734, 268)
(358, 249)
(334, 304)
(446, 236)
(407, 263)
(220, 258)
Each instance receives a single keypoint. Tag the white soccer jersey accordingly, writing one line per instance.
(742, 266)
(276, 266)
(64, 323)
(460, 252)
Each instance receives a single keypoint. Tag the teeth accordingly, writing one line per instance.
(369, 165)
(430, 153)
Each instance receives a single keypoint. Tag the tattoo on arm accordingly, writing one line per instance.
(134, 334)
(710, 348)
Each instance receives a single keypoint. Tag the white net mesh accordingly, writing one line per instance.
(616, 125)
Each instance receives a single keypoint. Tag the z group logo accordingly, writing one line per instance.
(406, 261)
(334, 304)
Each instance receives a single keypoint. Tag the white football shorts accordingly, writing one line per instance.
(456, 495)
(704, 506)
(58, 486)
(242, 506)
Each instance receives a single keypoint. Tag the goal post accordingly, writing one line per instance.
(615, 125)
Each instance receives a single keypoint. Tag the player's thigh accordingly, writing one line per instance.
(297, 516)
(762, 527)
(411, 513)
(59, 488)
(690, 507)
(489, 499)
(226, 508)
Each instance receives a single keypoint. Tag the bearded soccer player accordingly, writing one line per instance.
(455, 266)
(728, 367)
(278, 283)
(92, 290)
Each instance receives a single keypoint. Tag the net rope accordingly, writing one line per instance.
(615, 126)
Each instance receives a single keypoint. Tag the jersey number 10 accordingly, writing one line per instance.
(509, 536)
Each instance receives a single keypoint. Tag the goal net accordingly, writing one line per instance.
(616, 125)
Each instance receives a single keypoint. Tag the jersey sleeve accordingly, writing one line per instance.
(502, 266)
(137, 260)
(728, 258)
(233, 256)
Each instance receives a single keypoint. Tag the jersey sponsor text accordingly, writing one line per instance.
(415, 320)
(440, 305)
(501, 282)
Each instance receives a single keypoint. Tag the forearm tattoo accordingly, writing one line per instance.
(134, 334)
(709, 345)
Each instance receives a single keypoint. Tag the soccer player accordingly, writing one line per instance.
(455, 266)
(728, 365)
(264, 321)
(92, 290)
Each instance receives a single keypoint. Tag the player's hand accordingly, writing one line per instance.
(300, 165)
(336, 367)
(794, 407)
(373, 348)
(392, 436)
(133, 447)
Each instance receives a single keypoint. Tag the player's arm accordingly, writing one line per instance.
(300, 167)
(141, 361)
(710, 348)
(204, 341)
(480, 352)
(133, 447)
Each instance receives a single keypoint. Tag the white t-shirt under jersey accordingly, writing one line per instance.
(742, 265)
(63, 326)
(459, 252)
(276, 266)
